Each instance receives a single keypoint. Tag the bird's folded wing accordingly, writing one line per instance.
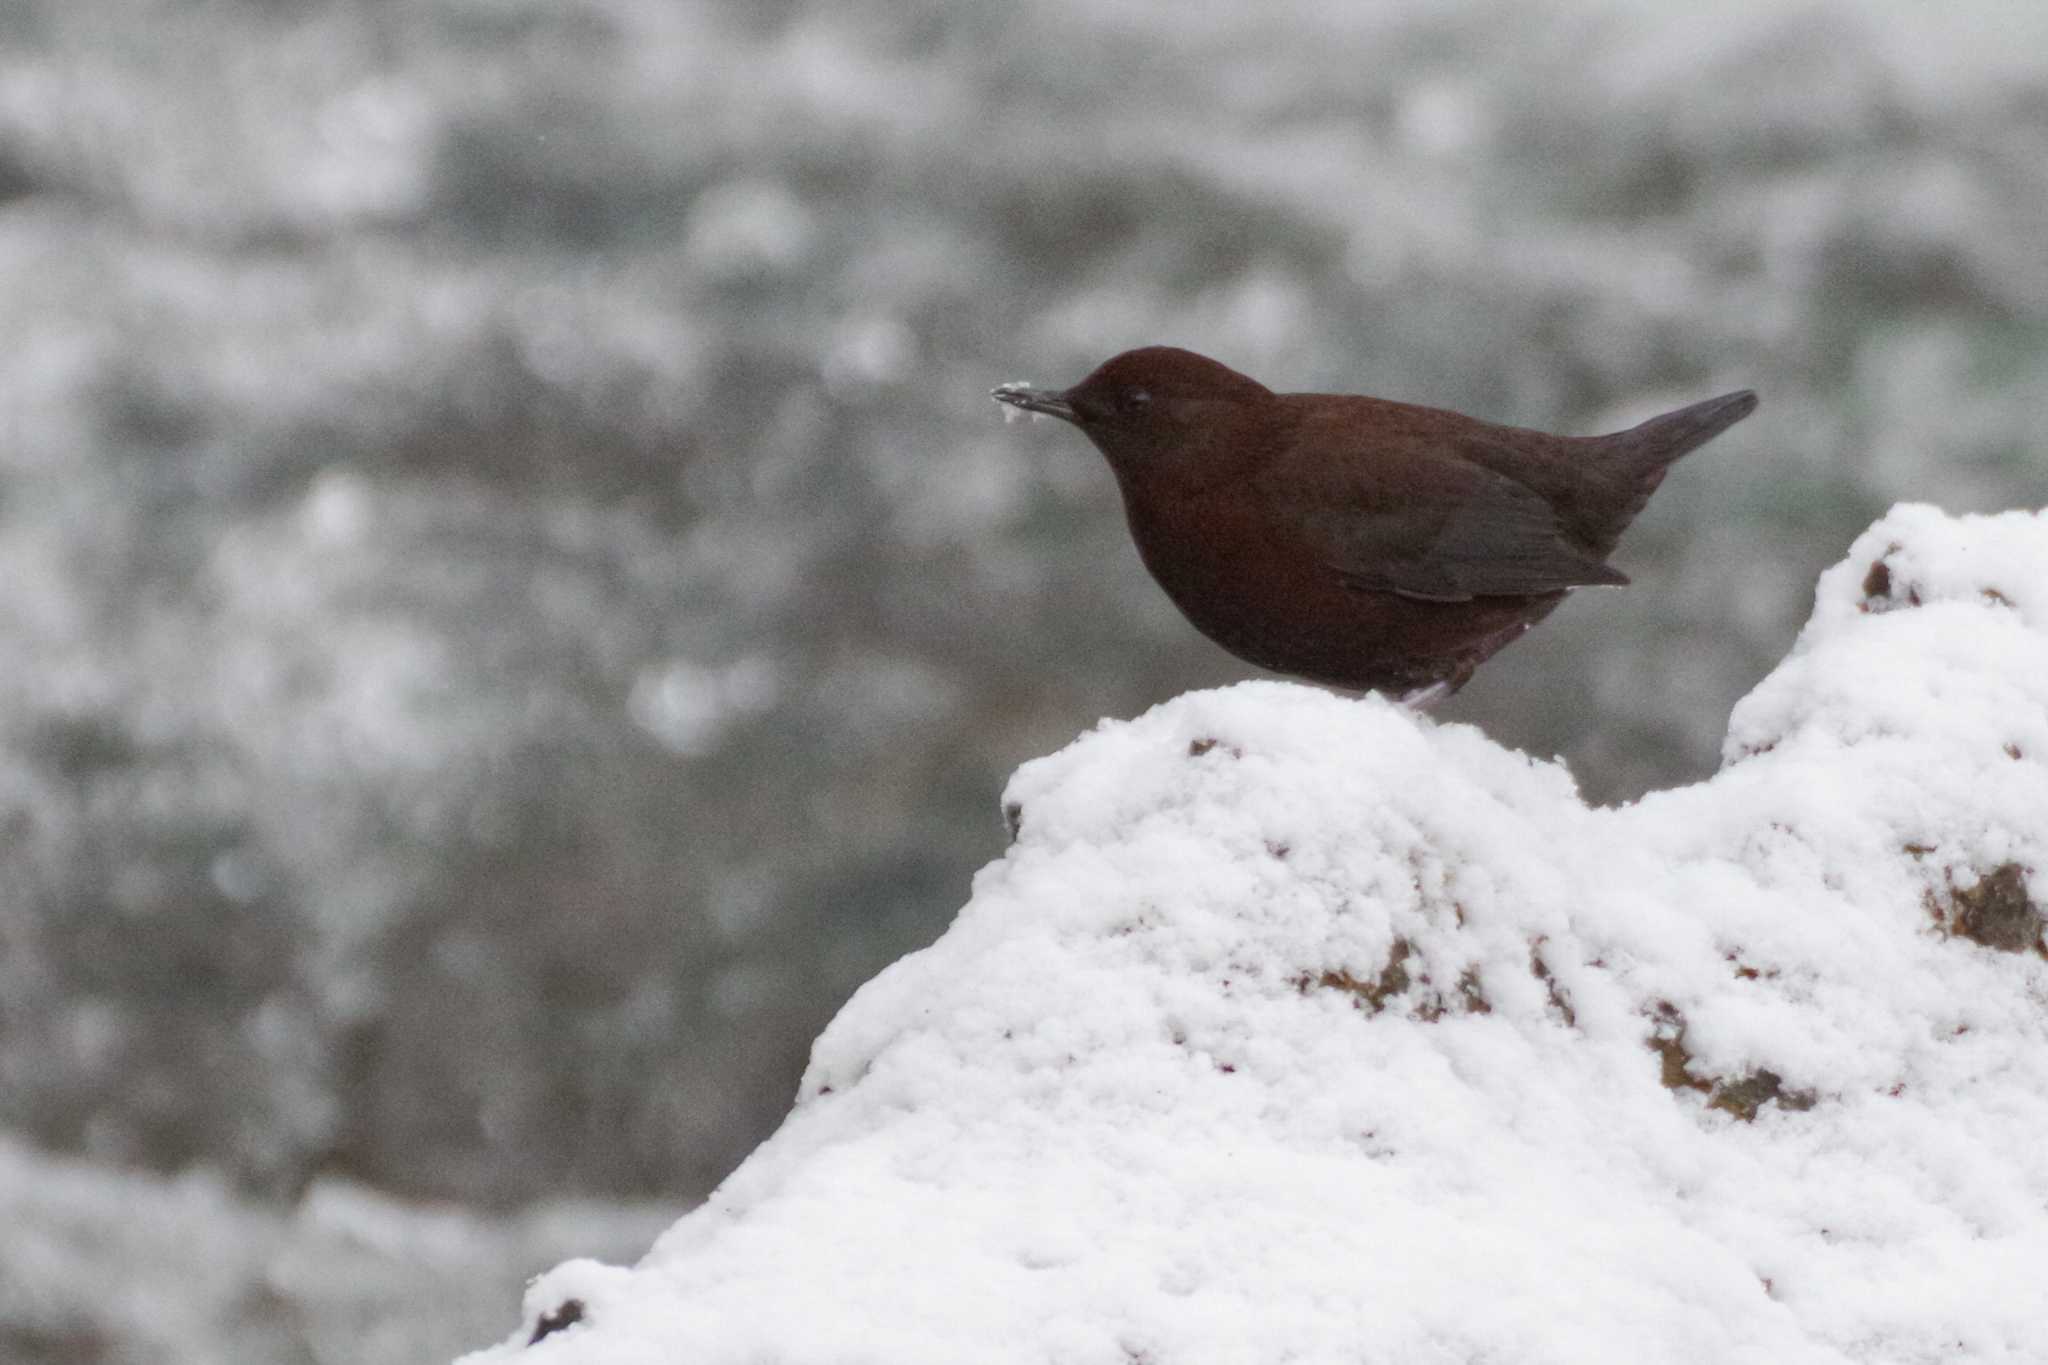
(1448, 533)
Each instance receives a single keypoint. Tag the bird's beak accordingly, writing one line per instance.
(1027, 399)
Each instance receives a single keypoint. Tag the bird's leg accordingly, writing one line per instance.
(1424, 699)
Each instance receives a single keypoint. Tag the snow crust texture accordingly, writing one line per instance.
(1298, 1028)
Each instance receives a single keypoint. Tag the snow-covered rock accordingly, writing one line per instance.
(1297, 1028)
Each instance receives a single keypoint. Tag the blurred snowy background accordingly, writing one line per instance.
(514, 600)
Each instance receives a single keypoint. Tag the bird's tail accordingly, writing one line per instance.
(1638, 457)
(1649, 448)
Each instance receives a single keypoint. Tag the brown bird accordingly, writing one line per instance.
(1352, 541)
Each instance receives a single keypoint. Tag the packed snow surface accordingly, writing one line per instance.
(1298, 1028)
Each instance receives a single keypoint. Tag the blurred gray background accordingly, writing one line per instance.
(514, 600)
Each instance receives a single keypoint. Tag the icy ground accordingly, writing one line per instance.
(1298, 1028)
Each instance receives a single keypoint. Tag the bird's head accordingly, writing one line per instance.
(1150, 407)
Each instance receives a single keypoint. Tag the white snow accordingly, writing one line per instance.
(1298, 1028)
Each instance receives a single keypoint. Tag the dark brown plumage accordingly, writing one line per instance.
(1353, 541)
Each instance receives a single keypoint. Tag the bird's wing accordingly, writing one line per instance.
(1435, 525)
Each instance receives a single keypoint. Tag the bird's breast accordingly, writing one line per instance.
(1231, 565)
(1245, 579)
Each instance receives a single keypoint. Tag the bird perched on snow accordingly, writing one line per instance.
(1353, 541)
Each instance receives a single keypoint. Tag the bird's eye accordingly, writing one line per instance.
(1136, 400)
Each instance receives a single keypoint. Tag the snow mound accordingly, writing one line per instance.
(1294, 1027)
